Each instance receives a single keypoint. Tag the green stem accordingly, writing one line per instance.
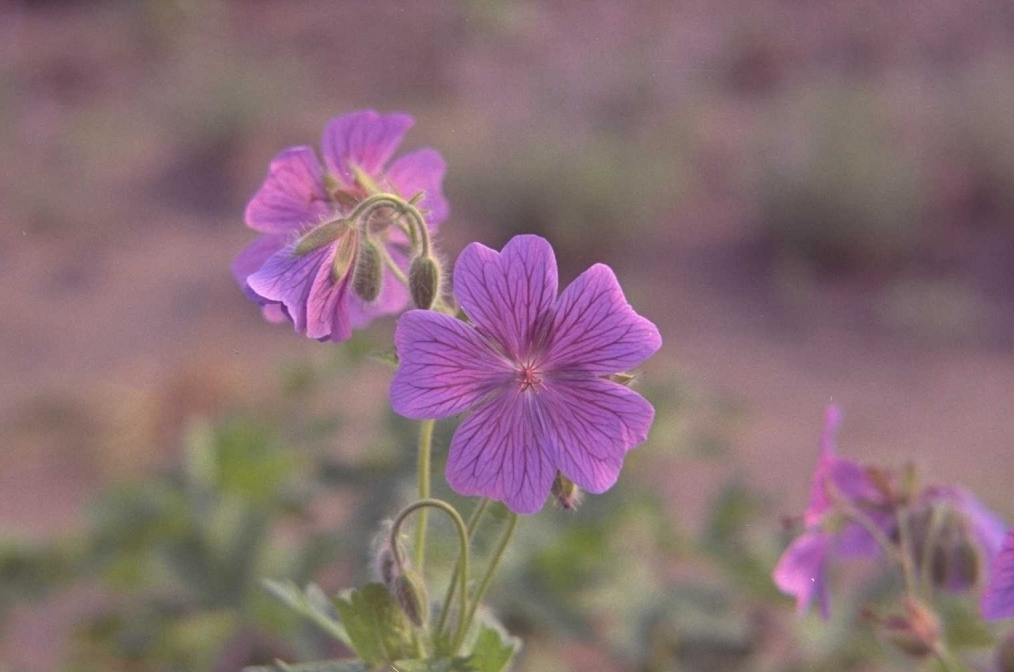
(905, 541)
(425, 450)
(494, 563)
(422, 505)
(937, 516)
(445, 610)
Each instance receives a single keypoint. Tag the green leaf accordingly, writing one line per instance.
(318, 666)
(308, 604)
(386, 357)
(493, 650)
(377, 628)
(439, 665)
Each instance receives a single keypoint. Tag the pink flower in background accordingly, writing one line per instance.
(967, 536)
(533, 369)
(801, 571)
(300, 195)
(998, 599)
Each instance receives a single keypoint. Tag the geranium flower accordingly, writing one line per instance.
(802, 571)
(300, 268)
(533, 368)
(966, 538)
(998, 599)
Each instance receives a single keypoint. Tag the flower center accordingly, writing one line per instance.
(528, 377)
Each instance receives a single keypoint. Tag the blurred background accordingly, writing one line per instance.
(813, 201)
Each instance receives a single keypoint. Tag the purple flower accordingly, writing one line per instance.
(801, 571)
(952, 535)
(310, 285)
(533, 368)
(998, 599)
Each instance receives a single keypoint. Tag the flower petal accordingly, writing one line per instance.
(286, 278)
(509, 295)
(444, 368)
(364, 139)
(589, 425)
(801, 571)
(998, 599)
(292, 195)
(596, 330)
(251, 258)
(327, 309)
(303, 284)
(495, 453)
(423, 171)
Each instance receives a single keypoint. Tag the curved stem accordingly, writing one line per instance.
(425, 450)
(422, 505)
(473, 522)
(494, 563)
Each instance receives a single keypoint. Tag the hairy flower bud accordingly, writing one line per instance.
(367, 276)
(409, 591)
(319, 236)
(424, 281)
(1005, 654)
(565, 493)
(916, 632)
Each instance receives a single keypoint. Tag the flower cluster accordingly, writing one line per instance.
(941, 532)
(533, 367)
(302, 266)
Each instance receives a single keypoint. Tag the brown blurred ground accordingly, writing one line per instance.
(812, 200)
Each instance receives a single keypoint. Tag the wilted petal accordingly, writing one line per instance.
(423, 171)
(444, 367)
(364, 139)
(292, 195)
(327, 310)
(596, 330)
(495, 453)
(588, 425)
(509, 295)
(998, 600)
(801, 571)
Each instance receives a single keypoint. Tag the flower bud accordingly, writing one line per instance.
(424, 281)
(1005, 654)
(367, 276)
(566, 495)
(916, 632)
(344, 254)
(409, 592)
(319, 236)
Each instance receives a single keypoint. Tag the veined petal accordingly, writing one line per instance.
(496, 453)
(596, 330)
(286, 278)
(422, 170)
(801, 571)
(364, 139)
(998, 599)
(444, 367)
(292, 195)
(252, 257)
(327, 310)
(588, 425)
(509, 295)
